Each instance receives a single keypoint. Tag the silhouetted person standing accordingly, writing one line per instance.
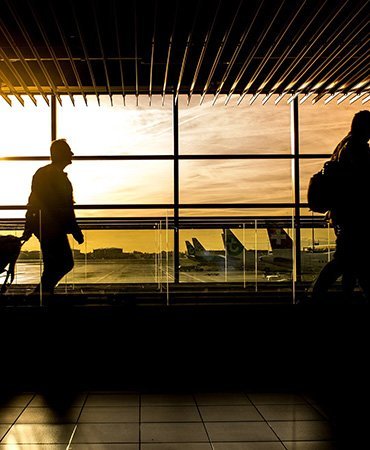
(50, 216)
(349, 218)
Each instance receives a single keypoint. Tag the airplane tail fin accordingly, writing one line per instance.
(190, 249)
(279, 238)
(232, 244)
(198, 247)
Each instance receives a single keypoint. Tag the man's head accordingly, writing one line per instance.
(360, 127)
(61, 153)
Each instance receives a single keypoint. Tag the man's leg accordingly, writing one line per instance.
(58, 261)
(327, 277)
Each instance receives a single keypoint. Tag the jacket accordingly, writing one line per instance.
(50, 208)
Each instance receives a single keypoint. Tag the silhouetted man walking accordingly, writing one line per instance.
(50, 216)
(349, 218)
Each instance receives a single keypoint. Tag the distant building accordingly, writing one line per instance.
(32, 254)
(107, 253)
(77, 254)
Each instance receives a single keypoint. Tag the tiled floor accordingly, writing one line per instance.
(139, 421)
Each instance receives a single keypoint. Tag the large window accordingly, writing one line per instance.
(232, 167)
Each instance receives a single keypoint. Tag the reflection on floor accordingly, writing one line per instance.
(184, 377)
(162, 421)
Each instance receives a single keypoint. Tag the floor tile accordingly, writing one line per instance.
(106, 433)
(217, 398)
(228, 413)
(33, 446)
(289, 412)
(102, 446)
(313, 445)
(302, 430)
(173, 432)
(49, 401)
(8, 415)
(112, 400)
(39, 434)
(48, 415)
(248, 446)
(176, 446)
(109, 414)
(3, 430)
(19, 400)
(170, 414)
(239, 431)
(276, 399)
(167, 400)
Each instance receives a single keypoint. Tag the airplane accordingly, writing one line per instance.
(237, 255)
(190, 250)
(281, 258)
(197, 252)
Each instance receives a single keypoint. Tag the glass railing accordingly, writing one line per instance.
(136, 254)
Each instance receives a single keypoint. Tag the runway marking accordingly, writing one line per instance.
(192, 277)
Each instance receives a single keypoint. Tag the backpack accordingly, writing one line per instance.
(325, 187)
(10, 247)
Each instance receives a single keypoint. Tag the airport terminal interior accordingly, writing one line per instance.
(186, 322)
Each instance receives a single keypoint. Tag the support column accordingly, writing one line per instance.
(296, 187)
(176, 257)
(53, 118)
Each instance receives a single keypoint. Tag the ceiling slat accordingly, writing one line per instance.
(23, 62)
(296, 39)
(338, 32)
(84, 49)
(50, 50)
(186, 52)
(219, 52)
(237, 50)
(10, 85)
(203, 51)
(268, 50)
(34, 50)
(254, 51)
(284, 30)
(152, 54)
(101, 47)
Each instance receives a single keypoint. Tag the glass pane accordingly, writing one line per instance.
(117, 129)
(137, 217)
(202, 256)
(16, 179)
(105, 182)
(121, 258)
(115, 182)
(107, 257)
(245, 213)
(247, 181)
(254, 256)
(25, 130)
(233, 128)
(322, 126)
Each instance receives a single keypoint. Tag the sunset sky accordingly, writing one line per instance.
(139, 130)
